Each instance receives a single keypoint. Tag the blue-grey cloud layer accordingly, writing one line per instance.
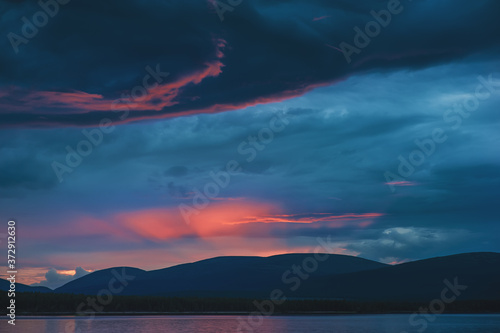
(331, 157)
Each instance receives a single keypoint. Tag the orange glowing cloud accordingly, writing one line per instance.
(229, 218)
(158, 96)
(214, 220)
(68, 272)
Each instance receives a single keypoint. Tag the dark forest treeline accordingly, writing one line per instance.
(46, 303)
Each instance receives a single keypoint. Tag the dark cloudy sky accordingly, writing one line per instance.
(388, 144)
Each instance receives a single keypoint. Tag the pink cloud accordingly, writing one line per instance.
(232, 217)
(158, 97)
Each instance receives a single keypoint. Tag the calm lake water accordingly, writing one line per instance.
(210, 324)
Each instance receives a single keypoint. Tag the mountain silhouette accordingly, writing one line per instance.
(337, 277)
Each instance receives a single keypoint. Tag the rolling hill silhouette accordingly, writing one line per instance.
(5, 285)
(420, 280)
(338, 277)
(221, 276)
